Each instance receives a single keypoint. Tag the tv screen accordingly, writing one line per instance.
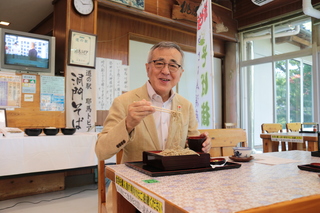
(27, 52)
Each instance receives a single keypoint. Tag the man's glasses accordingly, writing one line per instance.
(173, 67)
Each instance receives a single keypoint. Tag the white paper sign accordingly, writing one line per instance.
(101, 79)
(287, 138)
(80, 98)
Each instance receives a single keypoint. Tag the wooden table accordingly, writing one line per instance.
(254, 187)
(311, 139)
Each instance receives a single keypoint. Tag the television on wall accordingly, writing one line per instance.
(27, 52)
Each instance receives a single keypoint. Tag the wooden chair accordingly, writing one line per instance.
(223, 140)
(101, 187)
(102, 184)
(230, 125)
(294, 127)
(273, 128)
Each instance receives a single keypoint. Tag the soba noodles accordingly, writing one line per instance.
(177, 150)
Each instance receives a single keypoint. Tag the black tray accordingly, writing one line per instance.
(309, 167)
(307, 131)
(155, 172)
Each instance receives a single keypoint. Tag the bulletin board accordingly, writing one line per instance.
(29, 115)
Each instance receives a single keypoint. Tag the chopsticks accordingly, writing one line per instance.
(160, 109)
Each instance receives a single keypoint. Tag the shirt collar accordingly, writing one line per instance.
(153, 95)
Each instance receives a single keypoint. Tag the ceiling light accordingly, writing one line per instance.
(4, 23)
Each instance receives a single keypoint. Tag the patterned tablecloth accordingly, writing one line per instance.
(254, 184)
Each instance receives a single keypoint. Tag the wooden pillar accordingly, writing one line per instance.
(66, 18)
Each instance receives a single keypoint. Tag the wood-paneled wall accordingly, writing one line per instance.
(115, 29)
(247, 13)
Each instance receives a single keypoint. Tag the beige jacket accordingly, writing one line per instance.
(115, 137)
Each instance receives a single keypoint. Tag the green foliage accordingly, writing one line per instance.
(292, 68)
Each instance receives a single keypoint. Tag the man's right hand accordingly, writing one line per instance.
(137, 111)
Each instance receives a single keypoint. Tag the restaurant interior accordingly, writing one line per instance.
(266, 88)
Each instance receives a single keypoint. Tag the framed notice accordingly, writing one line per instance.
(82, 49)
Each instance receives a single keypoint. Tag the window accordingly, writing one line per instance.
(276, 76)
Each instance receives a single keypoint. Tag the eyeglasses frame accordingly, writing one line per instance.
(179, 65)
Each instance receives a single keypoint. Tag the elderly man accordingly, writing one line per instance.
(133, 124)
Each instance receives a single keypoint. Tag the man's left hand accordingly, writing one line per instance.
(207, 143)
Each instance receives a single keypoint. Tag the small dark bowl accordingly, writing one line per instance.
(68, 131)
(217, 161)
(50, 131)
(33, 132)
(195, 143)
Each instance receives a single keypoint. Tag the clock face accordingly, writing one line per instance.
(84, 7)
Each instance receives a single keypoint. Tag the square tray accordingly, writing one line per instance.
(309, 167)
(155, 172)
(305, 131)
(152, 158)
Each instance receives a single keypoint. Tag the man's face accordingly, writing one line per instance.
(162, 80)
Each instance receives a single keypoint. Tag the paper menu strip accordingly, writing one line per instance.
(271, 160)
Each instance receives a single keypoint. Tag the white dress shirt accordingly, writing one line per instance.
(162, 119)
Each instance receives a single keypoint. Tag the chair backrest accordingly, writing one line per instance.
(293, 127)
(223, 140)
(230, 125)
(271, 127)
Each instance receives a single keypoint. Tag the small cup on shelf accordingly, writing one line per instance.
(51, 131)
(33, 131)
(68, 130)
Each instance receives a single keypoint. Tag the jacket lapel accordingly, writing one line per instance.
(148, 121)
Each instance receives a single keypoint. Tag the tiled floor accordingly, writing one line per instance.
(82, 199)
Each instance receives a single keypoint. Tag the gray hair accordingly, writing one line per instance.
(166, 44)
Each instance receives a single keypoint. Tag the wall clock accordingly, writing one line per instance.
(84, 7)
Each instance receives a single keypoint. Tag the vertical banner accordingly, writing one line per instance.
(125, 77)
(112, 80)
(117, 77)
(204, 87)
(101, 86)
(80, 98)
(109, 83)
